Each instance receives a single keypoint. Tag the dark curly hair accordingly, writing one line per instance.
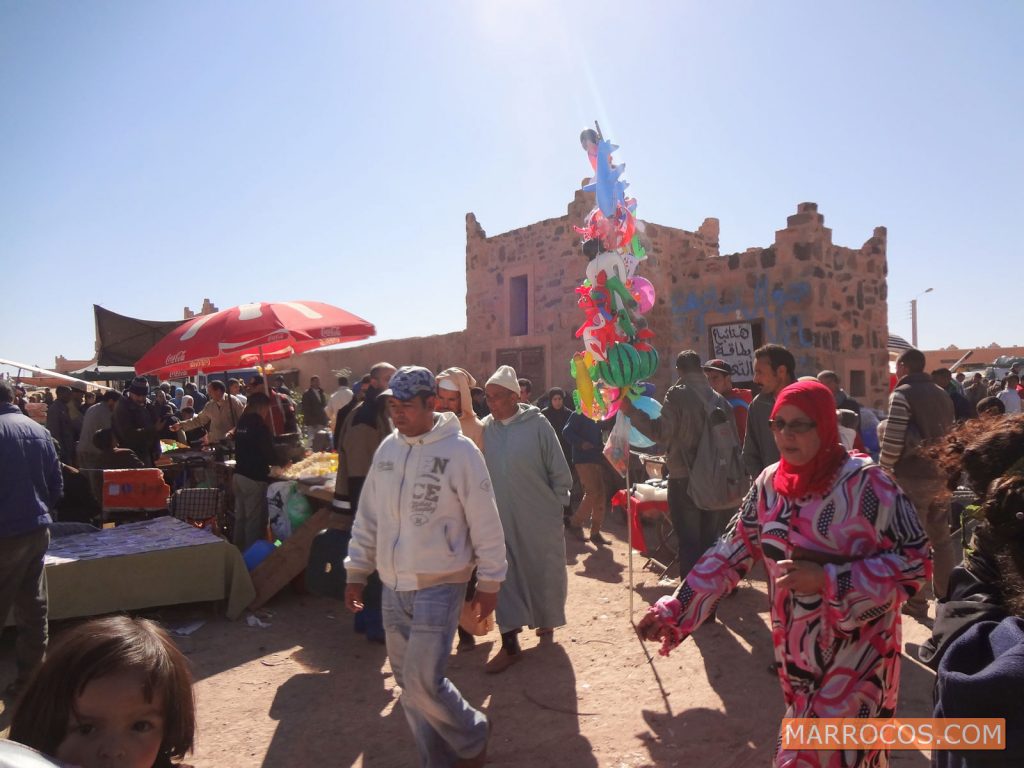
(988, 455)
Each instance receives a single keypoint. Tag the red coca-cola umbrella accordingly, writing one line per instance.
(243, 336)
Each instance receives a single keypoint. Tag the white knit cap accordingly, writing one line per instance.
(506, 377)
(448, 383)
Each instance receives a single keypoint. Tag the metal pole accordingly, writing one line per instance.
(913, 322)
(629, 531)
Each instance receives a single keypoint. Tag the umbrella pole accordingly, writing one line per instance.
(629, 532)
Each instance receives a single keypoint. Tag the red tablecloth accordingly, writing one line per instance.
(638, 510)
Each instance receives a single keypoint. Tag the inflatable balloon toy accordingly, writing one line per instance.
(642, 291)
(609, 189)
(608, 262)
(588, 140)
(598, 336)
(618, 349)
(621, 368)
(612, 396)
(601, 298)
(651, 408)
(583, 397)
(620, 294)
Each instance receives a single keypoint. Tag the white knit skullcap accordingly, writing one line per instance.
(505, 377)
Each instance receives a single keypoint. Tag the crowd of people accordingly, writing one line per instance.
(462, 496)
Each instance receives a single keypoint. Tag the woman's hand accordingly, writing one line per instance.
(801, 576)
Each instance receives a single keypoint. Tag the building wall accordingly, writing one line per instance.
(826, 303)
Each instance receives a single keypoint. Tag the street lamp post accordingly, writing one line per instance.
(913, 316)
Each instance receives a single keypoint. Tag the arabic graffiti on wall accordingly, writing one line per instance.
(734, 344)
(779, 306)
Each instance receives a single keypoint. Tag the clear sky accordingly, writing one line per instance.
(156, 153)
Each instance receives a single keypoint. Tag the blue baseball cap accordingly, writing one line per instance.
(409, 381)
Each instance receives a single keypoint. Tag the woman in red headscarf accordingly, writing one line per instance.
(843, 549)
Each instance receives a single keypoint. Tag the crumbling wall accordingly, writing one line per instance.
(826, 303)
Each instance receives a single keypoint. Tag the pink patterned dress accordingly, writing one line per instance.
(839, 650)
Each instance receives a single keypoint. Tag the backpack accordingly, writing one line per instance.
(717, 477)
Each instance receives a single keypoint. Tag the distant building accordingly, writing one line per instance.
(62, 364)
(827, 303)
(944, 358)
(207, 309)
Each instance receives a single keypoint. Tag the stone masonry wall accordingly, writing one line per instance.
(826, 303)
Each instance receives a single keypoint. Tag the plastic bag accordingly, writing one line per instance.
(616, 450)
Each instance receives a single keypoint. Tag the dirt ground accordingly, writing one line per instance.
(307, 691)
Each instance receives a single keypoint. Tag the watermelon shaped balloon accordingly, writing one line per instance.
(622, 366)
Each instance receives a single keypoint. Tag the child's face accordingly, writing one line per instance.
(113, 726)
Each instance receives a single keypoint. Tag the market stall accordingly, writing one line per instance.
(312, 481)
(144, 565)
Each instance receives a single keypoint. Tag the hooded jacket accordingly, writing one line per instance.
(472, 427)
(681, 422)
(427, 514)
(981, 675)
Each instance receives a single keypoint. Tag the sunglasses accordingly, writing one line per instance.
(796, 426)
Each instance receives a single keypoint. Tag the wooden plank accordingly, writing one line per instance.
(290, 559)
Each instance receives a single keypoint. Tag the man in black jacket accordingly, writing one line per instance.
(314, 408)
(920, 414)
(679, 429)
(135, 422)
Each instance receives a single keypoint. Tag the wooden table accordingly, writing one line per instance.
(291, 558)
(143, 565)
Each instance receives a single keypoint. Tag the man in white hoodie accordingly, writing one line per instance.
(427, 517)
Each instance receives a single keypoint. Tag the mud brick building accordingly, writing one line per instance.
(826, 303)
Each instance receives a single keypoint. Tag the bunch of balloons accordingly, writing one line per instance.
(617, 351)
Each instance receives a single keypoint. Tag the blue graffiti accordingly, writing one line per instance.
(780, 327)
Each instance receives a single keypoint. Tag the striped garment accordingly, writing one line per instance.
(839, 650)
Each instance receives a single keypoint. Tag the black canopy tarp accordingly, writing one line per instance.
(122, 340)
(105, 373)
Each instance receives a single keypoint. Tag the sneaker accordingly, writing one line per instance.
(598, 539)
(502, 661)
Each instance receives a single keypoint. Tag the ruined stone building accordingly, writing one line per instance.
(826, 303)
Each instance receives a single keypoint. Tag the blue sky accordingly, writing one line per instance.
(153, 154)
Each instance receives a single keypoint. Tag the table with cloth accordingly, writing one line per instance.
(156, 562)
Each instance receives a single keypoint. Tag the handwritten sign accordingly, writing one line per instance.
(734, 343)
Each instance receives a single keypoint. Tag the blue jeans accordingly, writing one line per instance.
(420, 626)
